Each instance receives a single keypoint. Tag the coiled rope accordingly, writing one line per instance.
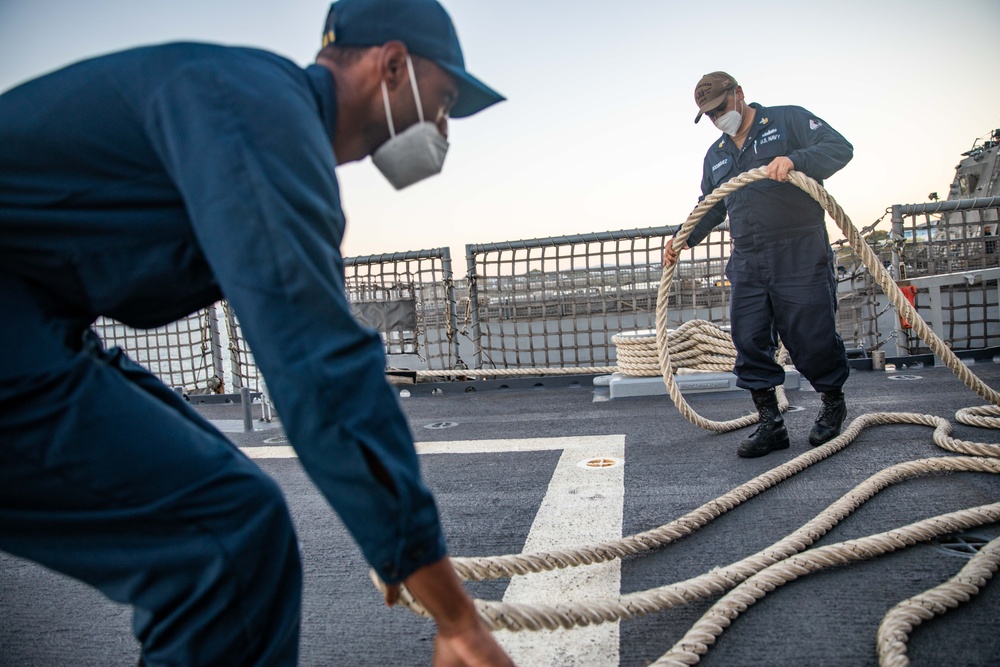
(697, 345)
(749, 579)
(515, 372)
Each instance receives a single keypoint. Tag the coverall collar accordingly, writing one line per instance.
(321, 82)
(760, 119)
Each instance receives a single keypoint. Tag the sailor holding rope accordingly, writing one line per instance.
(781, 267)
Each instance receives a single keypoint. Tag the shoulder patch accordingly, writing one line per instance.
(765, 121)
(814, 124)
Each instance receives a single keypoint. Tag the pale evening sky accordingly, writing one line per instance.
(597, 132)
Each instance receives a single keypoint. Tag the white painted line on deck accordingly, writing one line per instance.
(237, 426)
(595, 442)
(582, 506)
(270, 452)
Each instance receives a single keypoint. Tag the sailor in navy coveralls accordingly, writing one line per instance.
(781, 269)
(145, 185)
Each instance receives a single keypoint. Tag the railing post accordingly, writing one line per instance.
(452, 307)
(900, 272)
(216, 343)
(234, 352)
(897, 240)
(470, 258)
(247, 411)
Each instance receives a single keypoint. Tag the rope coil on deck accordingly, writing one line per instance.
(745, 581)
(696, 344)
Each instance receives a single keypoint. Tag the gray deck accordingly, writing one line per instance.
(489, 501)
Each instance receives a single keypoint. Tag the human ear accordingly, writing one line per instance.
(392, 64)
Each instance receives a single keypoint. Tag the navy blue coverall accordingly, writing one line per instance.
(143, 186)
(781, 268)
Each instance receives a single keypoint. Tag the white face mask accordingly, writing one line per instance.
(729, 122)
(415, 153)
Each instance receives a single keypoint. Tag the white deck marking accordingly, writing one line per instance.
(272, 452)
(582, 506)
(236, 425)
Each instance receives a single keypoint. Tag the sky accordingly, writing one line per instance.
(597, 133)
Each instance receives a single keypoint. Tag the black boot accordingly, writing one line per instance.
(771, 433)
(831, 418)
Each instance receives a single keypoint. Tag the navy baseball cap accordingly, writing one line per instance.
(426, 29)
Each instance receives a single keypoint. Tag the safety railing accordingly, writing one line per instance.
(557, 302)
(409, 297)
(186, 353)
(242, 368)
(946, 253)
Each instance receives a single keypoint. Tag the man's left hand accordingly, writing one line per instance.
(779, 168)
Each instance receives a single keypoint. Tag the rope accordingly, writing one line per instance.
(517, 372)
(868, 258)
(696, 344)
(704, 632)
(749, 579)
(897, 625)
(533, 617)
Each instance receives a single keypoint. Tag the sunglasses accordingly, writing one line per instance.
(719, 110)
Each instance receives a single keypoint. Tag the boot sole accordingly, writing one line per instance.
(783, 444)
(823, 442)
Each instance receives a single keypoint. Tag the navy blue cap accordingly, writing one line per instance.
(426, 29)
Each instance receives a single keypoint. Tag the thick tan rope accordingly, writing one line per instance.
(975, 416)
(986, 416)
(896, 626)
(495, 567)
(780, 560)
(817, 192)
(868, 258)
(707, 629)
(534, 617)
(696, 344)
(516, 372)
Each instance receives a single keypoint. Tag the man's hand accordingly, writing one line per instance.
(779, 168)
(670, 255)
(470, 649)
(463, 639)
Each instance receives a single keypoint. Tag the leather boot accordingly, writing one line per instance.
(831, 418)
(771, 433)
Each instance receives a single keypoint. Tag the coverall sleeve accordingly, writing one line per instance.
(255, 168)
(822, 150)
(715, 216)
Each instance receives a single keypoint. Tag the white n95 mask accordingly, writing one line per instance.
(415, 153)
(729, 122)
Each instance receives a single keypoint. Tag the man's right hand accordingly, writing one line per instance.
(670, 255)
(475, 648)
(462, 639)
